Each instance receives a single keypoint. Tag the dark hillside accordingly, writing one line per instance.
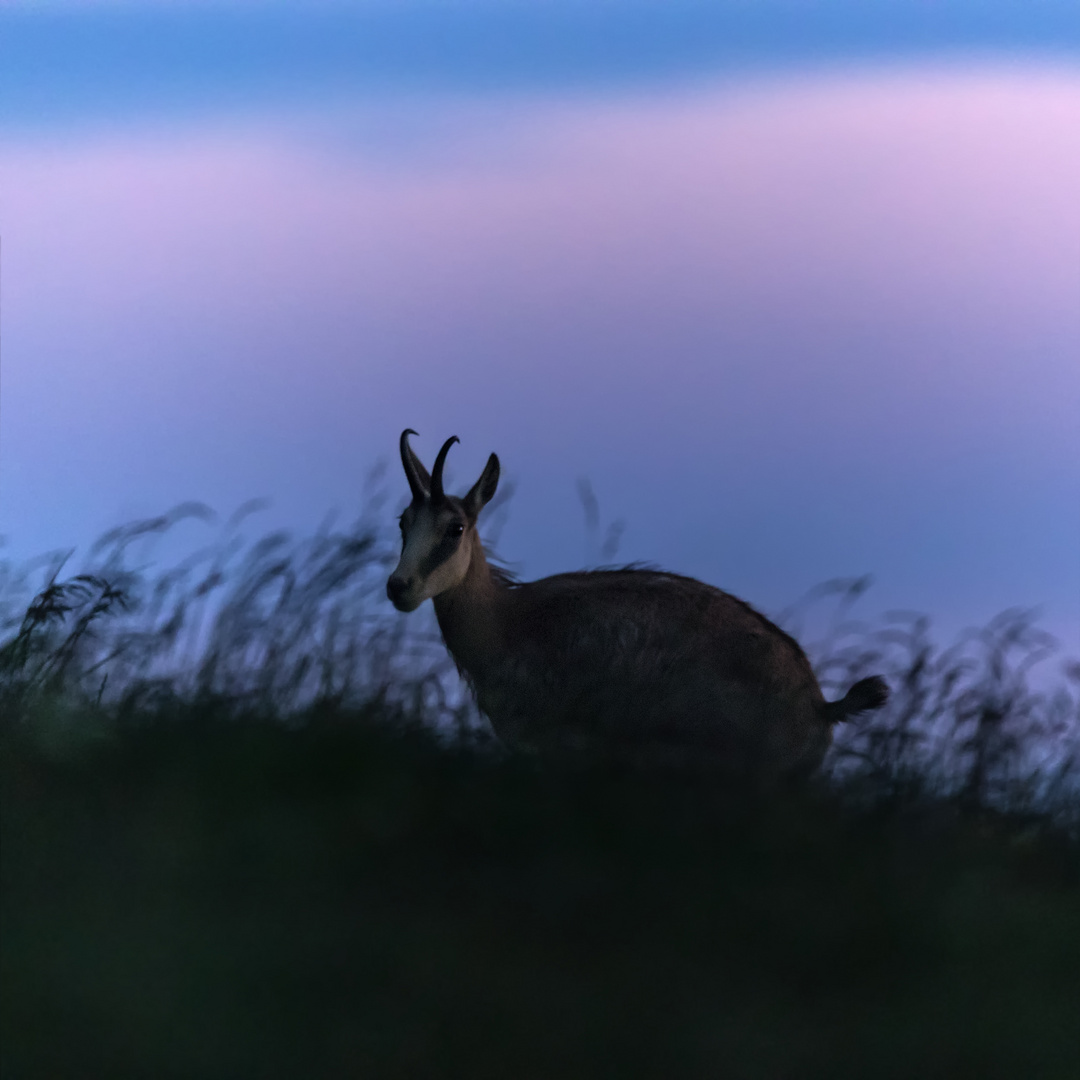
(264, 838)
(236, 899)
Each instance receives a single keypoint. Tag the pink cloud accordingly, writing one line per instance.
(876, 268)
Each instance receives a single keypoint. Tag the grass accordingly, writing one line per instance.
(250, 827)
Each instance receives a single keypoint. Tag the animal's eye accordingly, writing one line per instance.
(455, 529)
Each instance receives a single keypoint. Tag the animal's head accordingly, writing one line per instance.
(438, 531)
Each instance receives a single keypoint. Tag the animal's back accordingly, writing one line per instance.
(656, 665)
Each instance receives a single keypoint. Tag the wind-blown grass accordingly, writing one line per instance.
(272, 628)
(965, 721)
(282, 628)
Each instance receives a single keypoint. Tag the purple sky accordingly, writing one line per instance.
(791, 326)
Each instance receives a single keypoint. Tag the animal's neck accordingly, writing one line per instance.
(470, 614)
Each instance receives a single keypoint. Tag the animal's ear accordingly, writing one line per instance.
(483, 490)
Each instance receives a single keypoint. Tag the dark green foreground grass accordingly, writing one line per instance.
(229, 899)
(331, 892)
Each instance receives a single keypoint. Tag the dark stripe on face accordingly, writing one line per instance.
(442, 551)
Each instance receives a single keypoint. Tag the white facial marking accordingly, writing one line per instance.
(435, 555)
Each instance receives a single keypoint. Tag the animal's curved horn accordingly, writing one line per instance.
(437, 494)
(415, 473)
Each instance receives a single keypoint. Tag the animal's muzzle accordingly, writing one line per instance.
(397, 588)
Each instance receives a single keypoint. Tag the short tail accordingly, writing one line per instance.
(865, 695)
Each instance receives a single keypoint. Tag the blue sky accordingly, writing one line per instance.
(102, 60)
(797, 285)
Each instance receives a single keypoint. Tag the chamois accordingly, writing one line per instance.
(637, 664)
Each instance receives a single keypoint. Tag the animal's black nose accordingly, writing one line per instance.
(396, 588)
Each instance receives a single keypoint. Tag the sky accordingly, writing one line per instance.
(795, 285)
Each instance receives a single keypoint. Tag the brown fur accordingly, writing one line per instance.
(639, 664)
